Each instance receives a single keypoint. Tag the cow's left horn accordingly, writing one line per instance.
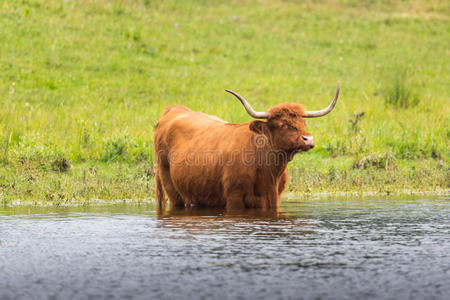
(323, 112)
(248, 108)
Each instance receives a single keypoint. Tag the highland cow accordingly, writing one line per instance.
(205, 161)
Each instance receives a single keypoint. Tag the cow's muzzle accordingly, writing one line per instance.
(309, 141)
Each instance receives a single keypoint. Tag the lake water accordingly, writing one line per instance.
(335, 248)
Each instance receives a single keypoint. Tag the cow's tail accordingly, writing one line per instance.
(159, 191)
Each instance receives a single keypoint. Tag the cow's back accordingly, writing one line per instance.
(179, 124)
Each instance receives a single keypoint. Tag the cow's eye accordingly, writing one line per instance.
(284, 126)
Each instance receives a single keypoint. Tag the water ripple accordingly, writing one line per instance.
(322, 248)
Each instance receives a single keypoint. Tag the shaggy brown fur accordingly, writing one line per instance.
(204, 161)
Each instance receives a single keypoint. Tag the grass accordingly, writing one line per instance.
(83, 84)
(399, 92)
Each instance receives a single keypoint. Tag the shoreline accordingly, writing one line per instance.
(119, 182)
(287, 197)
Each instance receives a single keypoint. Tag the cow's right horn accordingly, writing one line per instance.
(248, 108)
(323, 112)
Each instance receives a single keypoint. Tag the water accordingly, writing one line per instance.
(310, 249)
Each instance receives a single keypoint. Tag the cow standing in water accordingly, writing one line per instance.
(205, 161)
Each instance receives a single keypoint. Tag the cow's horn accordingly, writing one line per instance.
(248, 108)
(323, 112)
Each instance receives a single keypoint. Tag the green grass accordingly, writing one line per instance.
(83, 83)
(400, 93)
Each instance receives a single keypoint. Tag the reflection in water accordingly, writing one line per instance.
(249, 214)
(195, 220)
(315, 248)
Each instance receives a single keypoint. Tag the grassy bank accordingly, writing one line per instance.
(84, 82)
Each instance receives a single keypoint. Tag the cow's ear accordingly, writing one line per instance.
(258, 127)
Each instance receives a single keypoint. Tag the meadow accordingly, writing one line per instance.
(83, 83)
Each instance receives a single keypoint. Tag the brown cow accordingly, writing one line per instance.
(205, 161)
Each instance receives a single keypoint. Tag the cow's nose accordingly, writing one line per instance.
(309, 140)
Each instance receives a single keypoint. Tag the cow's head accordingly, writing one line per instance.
(285, 124)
